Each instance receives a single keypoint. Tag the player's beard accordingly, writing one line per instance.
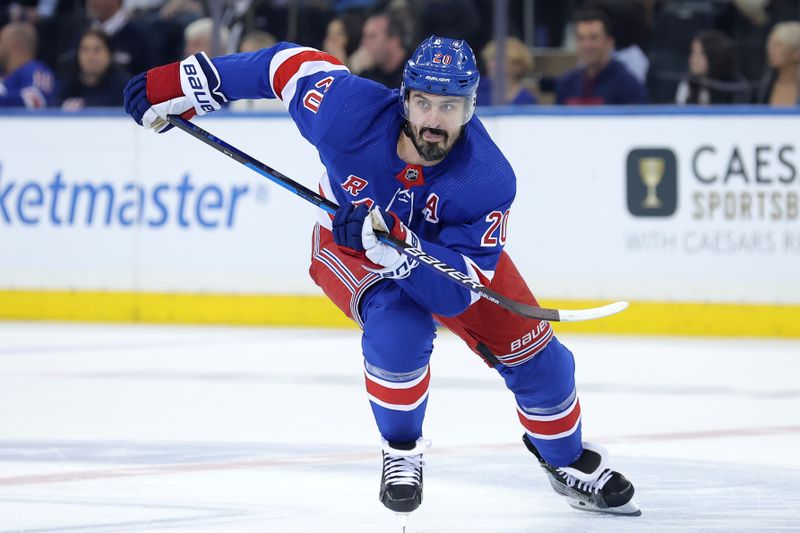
(429, 151)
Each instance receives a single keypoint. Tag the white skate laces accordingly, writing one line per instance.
(404, 467)
(587, 486)
(402, 470)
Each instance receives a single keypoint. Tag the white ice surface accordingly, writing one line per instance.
(165, 429)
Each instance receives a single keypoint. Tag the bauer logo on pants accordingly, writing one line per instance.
(652, 182)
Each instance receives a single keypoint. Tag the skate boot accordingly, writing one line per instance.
(401, 482)
(588, 484)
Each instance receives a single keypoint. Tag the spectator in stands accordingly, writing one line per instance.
(96, 81)
(714, 76)
(342, 36)
(631, 29)
(256, 40)
(457, 19)
(183, 11)
(199, 37)
(26, 82)
(780, 87)
(602, 79)
(45, 15)
(129, 41)
(251, 42)
(383, 41)
(165, 21)
(519, 64)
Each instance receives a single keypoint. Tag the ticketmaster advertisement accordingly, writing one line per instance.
(100, 204)
(658, 207)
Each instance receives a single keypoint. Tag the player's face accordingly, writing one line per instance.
(435, 122)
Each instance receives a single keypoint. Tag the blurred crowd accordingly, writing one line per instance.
(80, 53)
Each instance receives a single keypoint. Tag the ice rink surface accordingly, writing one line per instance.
(201, 429)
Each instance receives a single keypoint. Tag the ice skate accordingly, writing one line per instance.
(401, 481)
(588, 484)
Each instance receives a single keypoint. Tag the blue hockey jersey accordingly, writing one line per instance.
(458, 208)
(32, 85)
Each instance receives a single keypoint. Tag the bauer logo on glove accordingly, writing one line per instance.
(186, 88)
(198, 88)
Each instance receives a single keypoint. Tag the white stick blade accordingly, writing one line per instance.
(579, 315)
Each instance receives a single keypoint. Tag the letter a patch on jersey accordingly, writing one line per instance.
(431, 209)
(354, 184)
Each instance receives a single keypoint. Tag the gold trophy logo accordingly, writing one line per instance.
(651, 169)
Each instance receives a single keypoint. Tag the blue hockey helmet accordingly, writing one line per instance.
(442, 66)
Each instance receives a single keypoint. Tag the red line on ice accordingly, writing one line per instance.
(160, 470)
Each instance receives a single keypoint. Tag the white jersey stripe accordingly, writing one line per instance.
(309, 67)
(280, 58)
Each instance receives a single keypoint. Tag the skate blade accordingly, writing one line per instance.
(629, 509)
(403, 519)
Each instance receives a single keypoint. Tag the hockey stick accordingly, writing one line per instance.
(538, 313)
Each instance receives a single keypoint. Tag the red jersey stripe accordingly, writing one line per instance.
(552, 427)
(290, 67)
(406, 396)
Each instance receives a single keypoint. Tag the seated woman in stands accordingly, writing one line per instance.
(781, 86)
(713, 76)
(95, 81)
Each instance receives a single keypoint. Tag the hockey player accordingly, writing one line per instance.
(418, 164)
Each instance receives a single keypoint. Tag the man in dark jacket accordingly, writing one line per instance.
(601, 80)
(383, 38)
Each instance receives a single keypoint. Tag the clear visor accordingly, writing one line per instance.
(437, 110)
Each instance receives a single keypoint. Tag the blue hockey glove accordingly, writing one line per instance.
(347, 224)
(354, 228)
(186, 88)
